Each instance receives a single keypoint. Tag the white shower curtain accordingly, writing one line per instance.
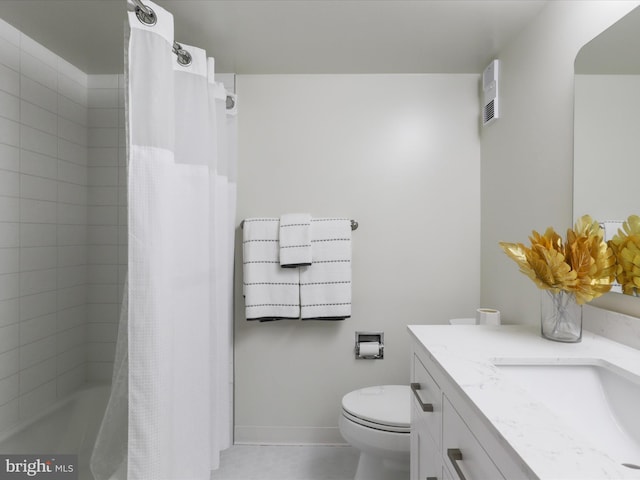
(181, 197)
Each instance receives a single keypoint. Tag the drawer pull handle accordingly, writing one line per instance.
(426, 407)
(455, 455)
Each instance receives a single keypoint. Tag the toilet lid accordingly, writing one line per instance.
(384, 405)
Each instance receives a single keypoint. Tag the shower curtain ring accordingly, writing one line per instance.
(145, 14)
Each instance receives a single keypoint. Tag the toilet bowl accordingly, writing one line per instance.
(376, 421)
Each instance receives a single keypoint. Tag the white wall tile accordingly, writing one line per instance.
(72, 193)
(9, 235)
(101, 351)
(102, 274)
(103, 313)
(35, 352)
(73, 255)
(9, 106)
(37, 400)
(37, 211)
(38, 188)
(69, 381)
(100, 215)
(72, 131)
(9, 286)
(9, 260)
(34, 49)
(103, 176)
(72, 152)
(10, 33)
(9, 414)
(9, 312)
(71, 358)
(9, 80)
(103, 255)
(103, 117)
(69, 214)
(102, 332)
(37, 328)
(73, 73)
(9, 337)
(73, 111)
(38, 118)
(9, 55)
(68, 339)
(103, 196)
(9, 183)
(9, 388)
(38, 70)
(9, 363)
(103, 98)
(103, 157)
(102, 235)
(38, 94)
(9, 209)
(33, 306)
(103, 137)
(72, 276)
(38, 281)
(36, 375)
(32, 163)
(38, 141)
(72, 173)
(72, 317)
(9, 132)
(72, 234)
(72, 296)
(72, 90)
(9, 157)
(37, 235)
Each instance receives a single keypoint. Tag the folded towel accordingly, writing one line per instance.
(270, 292)
(325, 286)
(295, 240)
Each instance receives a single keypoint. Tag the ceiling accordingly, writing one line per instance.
(290, 36)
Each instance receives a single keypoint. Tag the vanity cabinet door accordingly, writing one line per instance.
(427, 397)
(461, 452)
(425, 455)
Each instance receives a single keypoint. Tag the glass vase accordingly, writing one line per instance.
(561, 317)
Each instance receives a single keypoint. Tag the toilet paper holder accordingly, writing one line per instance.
(369, 338)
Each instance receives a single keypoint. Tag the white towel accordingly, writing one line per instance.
(325, 286)
(270, 292)
(295, 240)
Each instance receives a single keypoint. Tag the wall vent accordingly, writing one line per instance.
(490, 110)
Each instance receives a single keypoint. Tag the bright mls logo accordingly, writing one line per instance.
(39, 467)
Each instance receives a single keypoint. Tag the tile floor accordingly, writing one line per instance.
(267, 462)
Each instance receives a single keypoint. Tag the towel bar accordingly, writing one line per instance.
(354, 224)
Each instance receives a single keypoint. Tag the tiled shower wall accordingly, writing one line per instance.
(62, 225)
(107, 221)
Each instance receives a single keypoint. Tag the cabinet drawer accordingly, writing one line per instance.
(461, 452)
(427, 401)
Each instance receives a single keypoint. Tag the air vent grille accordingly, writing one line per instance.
(489, 112)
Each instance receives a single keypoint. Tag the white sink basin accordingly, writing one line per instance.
(596, 400)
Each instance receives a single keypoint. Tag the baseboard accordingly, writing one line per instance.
(258, 435)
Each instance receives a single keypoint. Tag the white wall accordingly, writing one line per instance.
(527, 154)
(397, 153)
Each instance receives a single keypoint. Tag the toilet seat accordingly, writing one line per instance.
(385, 407)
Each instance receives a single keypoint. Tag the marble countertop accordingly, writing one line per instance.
(468, 354)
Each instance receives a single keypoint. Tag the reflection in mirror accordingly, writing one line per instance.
(606, 169)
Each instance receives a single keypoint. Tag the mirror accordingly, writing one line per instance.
(606, 165)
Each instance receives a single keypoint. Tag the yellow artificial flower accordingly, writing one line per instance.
(584, 265)
(626, 248)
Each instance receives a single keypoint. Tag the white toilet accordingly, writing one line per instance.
(376, 421)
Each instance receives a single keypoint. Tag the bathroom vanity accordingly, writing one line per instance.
(501, 402)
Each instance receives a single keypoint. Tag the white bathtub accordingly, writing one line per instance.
(69, 426)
